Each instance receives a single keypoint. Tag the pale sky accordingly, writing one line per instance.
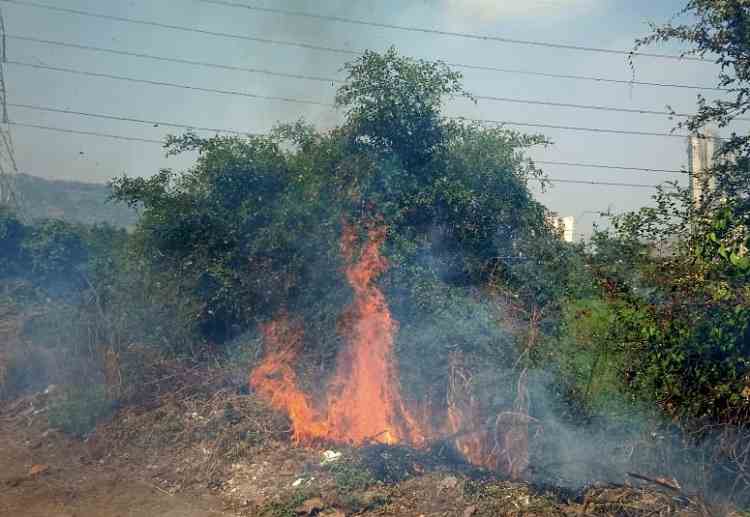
(593, 23)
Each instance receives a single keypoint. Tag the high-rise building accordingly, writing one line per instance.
(701, 158)
(564, 225)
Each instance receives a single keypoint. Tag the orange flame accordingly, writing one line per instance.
(363, 401)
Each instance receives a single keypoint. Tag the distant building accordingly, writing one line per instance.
(701, 158)
(564, 225)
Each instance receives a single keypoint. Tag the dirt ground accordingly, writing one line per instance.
(70, 484)
(208, 452)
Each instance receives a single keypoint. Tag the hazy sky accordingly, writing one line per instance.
(599, 23)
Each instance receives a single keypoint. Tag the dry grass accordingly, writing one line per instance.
(200, 426)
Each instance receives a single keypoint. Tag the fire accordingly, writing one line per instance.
(363, 402)
(275, 378)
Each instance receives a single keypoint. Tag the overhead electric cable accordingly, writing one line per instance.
(152, 123)
(601, 183)
(562, 46)
(160, 142)
(87, 133)
(440, 32)
(168, 84)
(598, 79)
(636, 111)
(181, 28)
(610, 167)
(123, 118)
(569, 128)
(143, 55)
(191, 62)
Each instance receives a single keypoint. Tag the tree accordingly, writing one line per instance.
(254, 227)
(692, 294)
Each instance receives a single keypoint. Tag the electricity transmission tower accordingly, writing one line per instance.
(8, 167)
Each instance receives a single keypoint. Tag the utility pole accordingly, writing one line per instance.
(8, 167)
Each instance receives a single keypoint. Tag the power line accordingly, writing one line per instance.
(168, 84)
(318, 103)
(636, 111)
(123, 118)
(87, 133)
(570, 128)
(610, 167)
(424, 30)
(340, 50)
(154, 123)
(533, 73)
(303, 101)
(160, 142)
(181, 28)
(597, 79)
(175, 60)
(328, 105)
(602, 183)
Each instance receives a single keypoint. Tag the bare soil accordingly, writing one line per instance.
(70, 483)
